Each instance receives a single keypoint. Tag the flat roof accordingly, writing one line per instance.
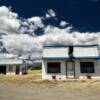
(70, 45)
(64, 58)
(11, 62)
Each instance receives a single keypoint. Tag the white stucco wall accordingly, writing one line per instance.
(77, 69)
(13, 72)
(78, 74)
(10, 72)
(87, 51)
(95, 75)
(78, 52)
(55, 52)
(48, 76)
(12, 63)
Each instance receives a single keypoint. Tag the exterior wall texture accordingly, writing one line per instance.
(10, 72)
(55, 52)
(78, 74)
(13, 72)
(60, 76)
(95, 75)
(11, 65)
(85, 53)
(88, 51)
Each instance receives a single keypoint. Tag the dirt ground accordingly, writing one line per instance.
(48, 91)
(31, 87)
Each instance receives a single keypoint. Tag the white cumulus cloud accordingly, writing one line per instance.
(8, 21)
(50, 13)
(37, 21)
(21, 43)
(63, 23)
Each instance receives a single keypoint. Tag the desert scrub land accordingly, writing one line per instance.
(31, 87)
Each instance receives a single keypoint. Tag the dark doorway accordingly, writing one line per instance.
(3, 69)
(17, 69)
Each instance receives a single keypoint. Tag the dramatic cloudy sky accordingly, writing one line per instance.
(27, 25)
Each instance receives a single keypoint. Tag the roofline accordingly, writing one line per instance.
(47, 46)
(54, 58)
(65, 58)
(12, 63)
(89, 57)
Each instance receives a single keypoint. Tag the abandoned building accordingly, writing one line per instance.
(71, 62)
(12, 66)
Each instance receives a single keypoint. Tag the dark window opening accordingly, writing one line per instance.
(17, 69)
(87, 67)
(2, 69)
(53, 67)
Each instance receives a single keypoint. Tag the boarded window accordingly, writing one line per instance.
(87, 67)
(53, 67)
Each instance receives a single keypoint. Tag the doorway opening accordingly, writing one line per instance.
(17, 70)
(70, 69)
(2, 69)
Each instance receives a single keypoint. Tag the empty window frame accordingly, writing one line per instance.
(87, 67)
(53, 67)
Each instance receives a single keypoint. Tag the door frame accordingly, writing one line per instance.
(73, 68)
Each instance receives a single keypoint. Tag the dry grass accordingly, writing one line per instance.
(32, 75)
(91, 86)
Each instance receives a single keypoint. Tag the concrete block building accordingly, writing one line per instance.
(70, 62)
(12, 66)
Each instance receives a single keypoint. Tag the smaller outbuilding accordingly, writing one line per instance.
(12, 65)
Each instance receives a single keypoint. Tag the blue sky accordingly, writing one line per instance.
(82, 14)
(27, 25)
